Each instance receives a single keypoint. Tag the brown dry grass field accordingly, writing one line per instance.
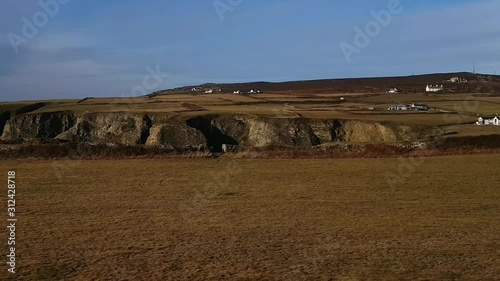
(249, 219)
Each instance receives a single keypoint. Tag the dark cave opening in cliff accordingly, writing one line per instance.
(4, 117)
(147, 130)
(215, 138)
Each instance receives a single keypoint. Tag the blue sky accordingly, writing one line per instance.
(102, 48)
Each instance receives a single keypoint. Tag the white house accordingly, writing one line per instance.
(488, 121)
(457, 80)
(399, 107)
(432, 88)
(239, 92)
(413, 106)
(419, 106)
(393, 91)
(209, 91)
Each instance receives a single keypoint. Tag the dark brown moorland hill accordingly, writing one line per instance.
(476, 83)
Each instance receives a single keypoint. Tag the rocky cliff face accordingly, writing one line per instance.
(66, 126)
(45, 125)
(109, 128)
(249, 130)
(355, 131)
(202, 131)
(175, 133)
(256, 131)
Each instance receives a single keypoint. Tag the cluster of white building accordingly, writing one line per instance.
(429, 88)
(434, 88)
(204, 90)
(413, 106)
(488, 121)
(457, 80)
(239, 92)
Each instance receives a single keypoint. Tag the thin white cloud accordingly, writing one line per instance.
(55, 42)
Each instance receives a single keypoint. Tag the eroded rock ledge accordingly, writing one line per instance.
(210, 131)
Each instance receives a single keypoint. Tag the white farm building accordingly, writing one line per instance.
(413, 106)
(433, 89)
(488, 121)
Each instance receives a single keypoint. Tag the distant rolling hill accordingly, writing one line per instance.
(477, 83)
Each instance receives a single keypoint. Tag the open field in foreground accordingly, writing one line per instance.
(182, 219)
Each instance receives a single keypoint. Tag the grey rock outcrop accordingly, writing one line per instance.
(210, 131)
